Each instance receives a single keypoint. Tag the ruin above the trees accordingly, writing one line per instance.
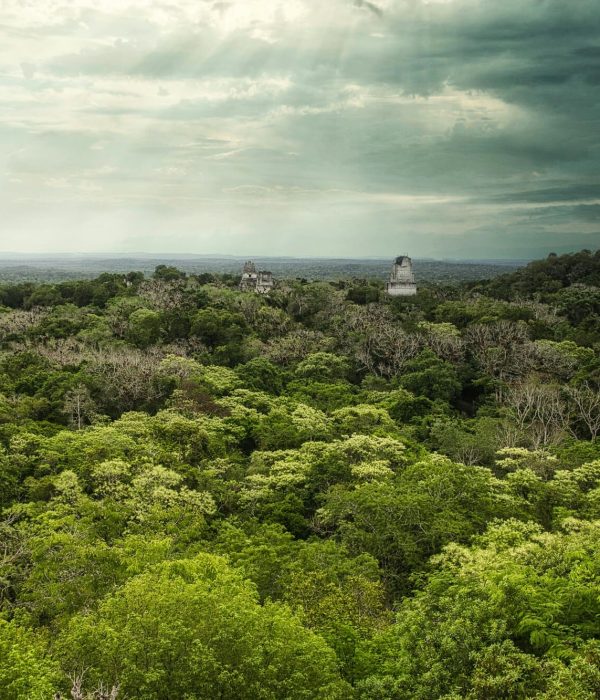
(402, 278)
(253, 280)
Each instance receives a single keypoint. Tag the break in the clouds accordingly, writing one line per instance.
(459, 128)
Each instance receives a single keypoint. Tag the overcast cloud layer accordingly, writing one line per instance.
(456, 128)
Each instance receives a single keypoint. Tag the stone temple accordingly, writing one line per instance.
(402, 278)
(260, 281)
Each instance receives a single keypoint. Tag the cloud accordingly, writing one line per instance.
(372, 123)
(369, 6)
(28, 70)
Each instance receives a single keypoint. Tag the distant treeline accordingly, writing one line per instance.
(541, 278)
(431, 271)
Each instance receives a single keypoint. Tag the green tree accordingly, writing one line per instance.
(500, 620)
(218, 326)
(323, 366)
(27, 672)
(144, 327)
(290, 425)
(194, 628)
(168, 273)
(431, 377)
(402, 521)
(261, 374)
(364, 419)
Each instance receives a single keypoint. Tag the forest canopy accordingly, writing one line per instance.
(317, 493)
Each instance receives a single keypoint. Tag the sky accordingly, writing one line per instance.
(343, 128)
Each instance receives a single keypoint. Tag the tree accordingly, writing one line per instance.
(404, 520)
(214, 379)
(501, 619)
(297, 345)
(365, 419)
(427, 375)
(194, 628)
(261, 374)
(218, 326)
(473, 441)
(322, 366)
(502, 351)
(538, 411)
(144, 327)
(325, 395)
(79, 406)
(338, 595)
(124, 378)
(443, 339)
(402, 405)
(584, 401)
(27, 672)
(562, 360)
(381, 346)
(291, 425)
(168, 273)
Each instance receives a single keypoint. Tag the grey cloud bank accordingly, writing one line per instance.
(463, 128)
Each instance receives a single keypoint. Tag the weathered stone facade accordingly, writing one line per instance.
(260, 281)
(402, 278)
(264, 282)
(249, 277)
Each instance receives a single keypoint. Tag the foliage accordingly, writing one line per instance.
(509, 618)
(194, 627)
(319, 493)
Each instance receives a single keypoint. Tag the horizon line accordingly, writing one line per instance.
(249, 256)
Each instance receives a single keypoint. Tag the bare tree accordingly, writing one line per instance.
(584, 401)
(76, 686)
(61, 352)
(502, 350)
(381, 345)
(509, 434)
(443, 339)
(79, 406)
(18, 321)
(164, 295)
(184, 347)
(126, 374)
(102, 692)
(538, 411)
